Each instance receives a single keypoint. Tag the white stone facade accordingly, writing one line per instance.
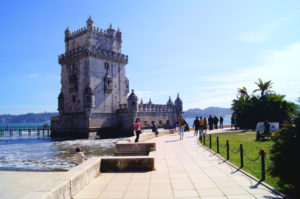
(95, 88)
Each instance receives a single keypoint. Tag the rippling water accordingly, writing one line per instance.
(33, 153)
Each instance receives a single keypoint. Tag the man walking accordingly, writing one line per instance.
(221, 122)
(196, 125)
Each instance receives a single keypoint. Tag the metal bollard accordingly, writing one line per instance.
(263, 166)
(218, 144)
(227, 147)
(242, 155)
(210, 141)
(204, 139)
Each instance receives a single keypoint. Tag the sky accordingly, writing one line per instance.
(203, 50)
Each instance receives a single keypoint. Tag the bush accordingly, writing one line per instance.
(285, 157)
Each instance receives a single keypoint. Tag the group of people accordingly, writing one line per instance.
(200, 126)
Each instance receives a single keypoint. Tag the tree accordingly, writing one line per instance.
(250, 109)
(243, 91)
(263, 87)
(285, 157)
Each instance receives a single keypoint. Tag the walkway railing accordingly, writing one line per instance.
(44, 131)
(261, 155)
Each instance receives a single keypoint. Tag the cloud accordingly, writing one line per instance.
(279, 66)
(253, 37)
(32, 75)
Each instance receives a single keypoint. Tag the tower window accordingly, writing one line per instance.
(74, 98)
(106, 66)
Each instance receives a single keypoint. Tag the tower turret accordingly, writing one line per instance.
(132, 102)
(110, 31)
(170, 103)
(67, 33)
(178, 105)
(119, 35)
(90, 23)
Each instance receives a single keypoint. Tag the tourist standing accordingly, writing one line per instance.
(232, 121)
(137, 127)
(221, 122)
(216, 120)
(79, 156)
(154, 128)
(181, 124)
(205, 124)
(175, 126)
(201, 125)
(196, 125)
(210, 122)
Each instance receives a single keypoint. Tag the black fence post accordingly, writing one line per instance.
(263, 167)
(227, 147)
(203, 139)
(200, 138)
(257, 136)
(218, 144)
(242, 155)
(210, 141)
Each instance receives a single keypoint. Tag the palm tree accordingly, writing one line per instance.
(243, 91)
(263, 87)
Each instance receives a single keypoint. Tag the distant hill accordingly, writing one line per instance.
(27, 118)
(208, 111)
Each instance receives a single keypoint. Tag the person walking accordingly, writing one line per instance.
(205, 124)
(175, 126)
(232, 121)
(154, 128)
(201, 125)
(137, 127)
(210, 122)
(181, 124)
(221, 122)
(216, 120)
(79, 156)
(196, 126)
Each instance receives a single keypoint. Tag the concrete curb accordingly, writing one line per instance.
(69, 183)
(242, 171)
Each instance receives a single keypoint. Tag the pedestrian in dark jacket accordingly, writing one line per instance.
(155, 129)
(210, 122)
(221, 122)
(216, 120)
(196, 125)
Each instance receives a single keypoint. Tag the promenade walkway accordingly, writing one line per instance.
(183, 170)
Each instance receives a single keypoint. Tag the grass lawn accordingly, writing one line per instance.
(251, 152)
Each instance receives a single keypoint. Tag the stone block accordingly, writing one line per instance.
(127, 164)
(134, 148)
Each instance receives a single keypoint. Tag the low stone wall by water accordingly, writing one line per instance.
(69, 183)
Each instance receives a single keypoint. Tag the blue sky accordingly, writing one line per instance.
(204, 50)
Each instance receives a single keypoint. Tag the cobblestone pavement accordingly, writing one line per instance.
(183, 170)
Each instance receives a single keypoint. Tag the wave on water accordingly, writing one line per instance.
(46, 154)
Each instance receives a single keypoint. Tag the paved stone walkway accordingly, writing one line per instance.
(183, 170)
(16, 184)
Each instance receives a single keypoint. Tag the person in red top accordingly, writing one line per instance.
(137, 127)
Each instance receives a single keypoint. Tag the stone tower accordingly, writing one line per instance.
(93, 81)
(94, 88)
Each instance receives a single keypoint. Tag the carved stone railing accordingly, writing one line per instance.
(109, 54)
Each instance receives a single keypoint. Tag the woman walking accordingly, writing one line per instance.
(181, 124)
(137, 127)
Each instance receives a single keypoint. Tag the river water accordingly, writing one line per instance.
(42, 153)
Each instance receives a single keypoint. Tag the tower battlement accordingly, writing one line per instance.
(93, 51)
